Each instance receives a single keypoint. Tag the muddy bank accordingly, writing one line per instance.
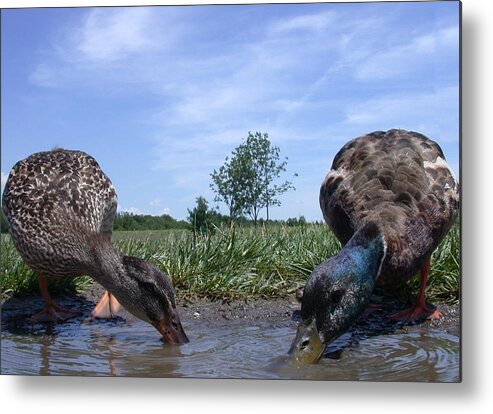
(275, 311)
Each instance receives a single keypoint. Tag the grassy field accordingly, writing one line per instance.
(235, 262)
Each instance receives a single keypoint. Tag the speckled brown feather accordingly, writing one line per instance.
(399, 180)
(61, 207)
(54, 201)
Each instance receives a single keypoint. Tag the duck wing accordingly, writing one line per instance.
(53, 200)
(46, 185)
(400, 180)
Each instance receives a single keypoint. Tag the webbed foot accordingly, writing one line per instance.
(107, 307)
(54, 313)
(417, 312)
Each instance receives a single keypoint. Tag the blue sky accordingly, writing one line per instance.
(161, 95)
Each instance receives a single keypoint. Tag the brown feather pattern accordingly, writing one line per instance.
(399, 180)
(55, 201)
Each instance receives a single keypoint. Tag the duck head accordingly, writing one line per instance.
(337, 292)
(147, 293)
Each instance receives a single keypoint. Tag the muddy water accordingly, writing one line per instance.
(223, 349)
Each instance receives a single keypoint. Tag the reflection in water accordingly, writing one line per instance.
(231, 350)
(45, 345)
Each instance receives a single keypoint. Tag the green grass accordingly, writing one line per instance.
(17, 278)
(236, 262)
(148, 234)
(444, 279)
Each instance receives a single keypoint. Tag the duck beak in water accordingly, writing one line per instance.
(171, 329)
(307, 347)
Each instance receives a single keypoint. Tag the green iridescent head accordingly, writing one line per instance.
(337, 293)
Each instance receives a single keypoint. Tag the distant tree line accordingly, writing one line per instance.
(128, 221)
(246, 183)
(201, 219)
(204, 219)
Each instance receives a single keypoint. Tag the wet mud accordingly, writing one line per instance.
(238, 339)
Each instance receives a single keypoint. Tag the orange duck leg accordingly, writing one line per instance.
(420, 310)
(52, 312)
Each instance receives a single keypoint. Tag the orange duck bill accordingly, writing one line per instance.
(171, 329)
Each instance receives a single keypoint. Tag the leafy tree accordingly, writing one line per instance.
(201, 217)
(227, 184)
(266, 169)
(246, 181)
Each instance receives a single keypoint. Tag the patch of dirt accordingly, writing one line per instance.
(277, 311)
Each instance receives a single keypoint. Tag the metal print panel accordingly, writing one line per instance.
(264, 191)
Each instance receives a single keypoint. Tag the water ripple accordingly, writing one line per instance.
(101, 348)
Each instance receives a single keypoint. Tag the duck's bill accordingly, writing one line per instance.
(172, 330)
(307, 347)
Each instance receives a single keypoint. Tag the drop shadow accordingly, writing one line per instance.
(470, 196)
(323, 391)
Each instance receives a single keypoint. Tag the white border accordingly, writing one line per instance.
(475, 394)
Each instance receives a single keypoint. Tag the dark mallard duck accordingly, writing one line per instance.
(61, 207)
(390, 198)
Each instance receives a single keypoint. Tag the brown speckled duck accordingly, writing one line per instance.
(390, 198)
(61, 207)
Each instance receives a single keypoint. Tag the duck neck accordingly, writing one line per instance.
(367, 248)
(107, 266)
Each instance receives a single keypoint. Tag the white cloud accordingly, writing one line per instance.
(157, 202)
(131, 210)
(396, 109)
(81, 52)
(199, 97)
(43, 75)
(309, 22)
(434, 113)
(200, 150)
(407, 58)
(108, 35)
(157, 209)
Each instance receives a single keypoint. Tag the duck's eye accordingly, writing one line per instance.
(305, 344)
(336, 296)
